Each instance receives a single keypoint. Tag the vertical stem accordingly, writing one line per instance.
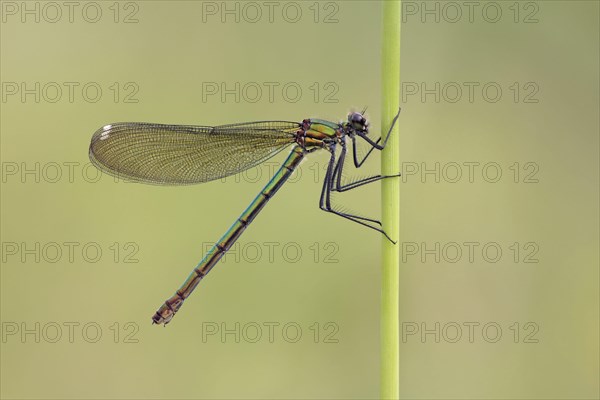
(390, 197)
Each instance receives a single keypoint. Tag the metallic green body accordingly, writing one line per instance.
(166, 312)
(326, 128)
(312, 135)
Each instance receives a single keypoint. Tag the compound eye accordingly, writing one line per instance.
(356, 117)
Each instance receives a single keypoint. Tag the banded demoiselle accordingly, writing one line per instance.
(186, 154)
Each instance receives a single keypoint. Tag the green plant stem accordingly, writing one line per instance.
(390, 197)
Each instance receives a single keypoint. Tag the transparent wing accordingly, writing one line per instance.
(186, 154)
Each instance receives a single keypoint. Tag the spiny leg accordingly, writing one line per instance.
(334, 182)
(358, 163)
(325, 199)
(338, 171)
(374, 145)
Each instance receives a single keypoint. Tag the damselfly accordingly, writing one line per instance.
(187, 154)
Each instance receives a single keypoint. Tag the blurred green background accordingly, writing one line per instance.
(294, 312)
